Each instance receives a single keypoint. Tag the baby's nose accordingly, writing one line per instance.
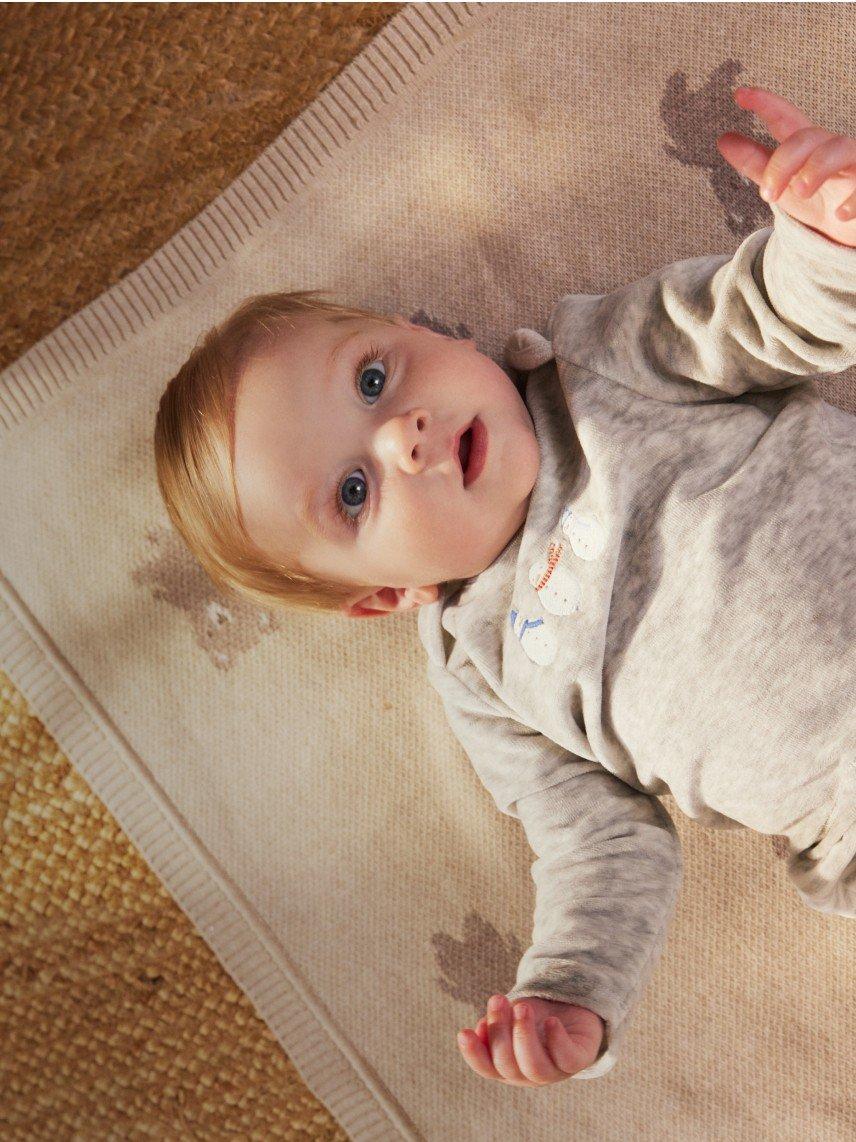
(414, 444)
(436, 455)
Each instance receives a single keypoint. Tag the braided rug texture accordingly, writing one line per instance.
(118, 124)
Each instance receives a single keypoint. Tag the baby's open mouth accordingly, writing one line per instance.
(472, 450)
(464, 449)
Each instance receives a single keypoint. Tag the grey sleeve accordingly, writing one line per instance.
(781, 308)
(607, 875)
(608, 865)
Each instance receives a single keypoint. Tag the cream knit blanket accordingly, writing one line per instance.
(292, 780)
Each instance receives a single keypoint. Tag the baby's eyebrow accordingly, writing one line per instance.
(337, 350)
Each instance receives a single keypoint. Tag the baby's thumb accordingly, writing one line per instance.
(745, 155)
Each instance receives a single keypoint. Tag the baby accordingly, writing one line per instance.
(634, 573)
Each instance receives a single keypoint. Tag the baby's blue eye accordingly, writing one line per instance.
(374, 384)
(354, 489)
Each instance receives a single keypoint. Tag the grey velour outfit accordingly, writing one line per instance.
(678, 611)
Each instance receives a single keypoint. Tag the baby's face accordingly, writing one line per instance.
(377, 440)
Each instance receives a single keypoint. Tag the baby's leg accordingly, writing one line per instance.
(824, 875)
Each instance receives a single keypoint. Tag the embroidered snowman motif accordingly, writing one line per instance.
(585, 532)
(537, 640)
(557, 588)
(559, 591)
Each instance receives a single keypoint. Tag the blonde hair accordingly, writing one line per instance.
(195, 449)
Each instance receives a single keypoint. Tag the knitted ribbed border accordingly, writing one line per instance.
(414, 42)
(418, 39)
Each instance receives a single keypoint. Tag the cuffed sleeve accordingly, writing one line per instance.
(809, 282)
(607, 876)
(608, 864)
(781, 308)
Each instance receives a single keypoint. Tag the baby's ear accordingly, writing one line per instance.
(388, 599)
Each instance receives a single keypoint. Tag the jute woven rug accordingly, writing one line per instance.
(349, 872)
(119, 123)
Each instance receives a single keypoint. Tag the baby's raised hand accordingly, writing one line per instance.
(811, 176)
(551, 1042)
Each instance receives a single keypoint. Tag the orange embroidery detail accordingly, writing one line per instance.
(554, 550)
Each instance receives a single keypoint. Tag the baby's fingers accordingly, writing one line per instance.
(747, 156)
(534, 1061)
(835, 155)
(779, 116)
(804, 162)
(477, 1055)
(565, 1052)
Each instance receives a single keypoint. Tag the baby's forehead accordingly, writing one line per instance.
(334, 322)
(271, 341)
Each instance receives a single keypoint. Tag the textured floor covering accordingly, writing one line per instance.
(119, 123)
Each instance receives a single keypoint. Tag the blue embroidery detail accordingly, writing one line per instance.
(527, 623)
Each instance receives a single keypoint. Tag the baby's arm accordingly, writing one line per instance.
(607, 876)
(607, 873)
(781, 308)
(607, 879)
